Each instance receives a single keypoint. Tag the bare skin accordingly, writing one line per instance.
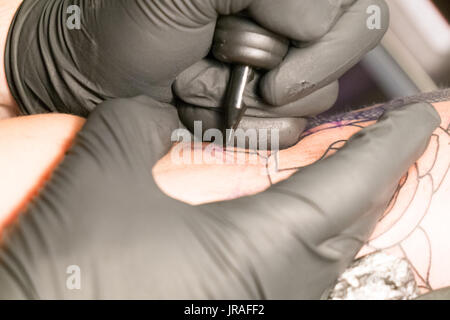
(414, 226)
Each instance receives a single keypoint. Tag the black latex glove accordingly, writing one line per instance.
(103, 212)
(127, 48)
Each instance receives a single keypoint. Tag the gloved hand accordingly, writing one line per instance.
(103, 212)
(128, 48)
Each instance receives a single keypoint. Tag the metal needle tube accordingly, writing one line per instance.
(235, 108)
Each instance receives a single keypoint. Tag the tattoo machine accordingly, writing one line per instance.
(246, 46)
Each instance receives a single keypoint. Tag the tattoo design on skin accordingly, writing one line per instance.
(410, 226)
(414, 225)
(419, 203)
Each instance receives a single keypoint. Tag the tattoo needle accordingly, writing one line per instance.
(246, 46)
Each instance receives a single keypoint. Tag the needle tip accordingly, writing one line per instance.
(229, 136)
(234, 117)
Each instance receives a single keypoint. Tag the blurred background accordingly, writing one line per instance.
(413, 57)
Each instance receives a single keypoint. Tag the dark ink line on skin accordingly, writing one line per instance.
(289, 169)
(446, 131)
(309, 133)
(435, 158)
(268, 173)
(247, 152)
(420, 220)
(332, 147)
(394, 197)
(427, 284)
(376, 112)
(277, 156)
(430, 258)
(324, 155)
(262, 156)
(442, 181)
(357, 126)
(401, 216)
(432, 184)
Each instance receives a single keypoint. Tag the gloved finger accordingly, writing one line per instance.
(304, 20)
(221, 7)
(299, 20)
(305, 70)
(140, 126)
(204, 84)
(200, 12)
(289, 129)
(310, 227)
(100, 201)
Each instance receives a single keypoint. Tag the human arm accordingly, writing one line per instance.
(104, 191)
